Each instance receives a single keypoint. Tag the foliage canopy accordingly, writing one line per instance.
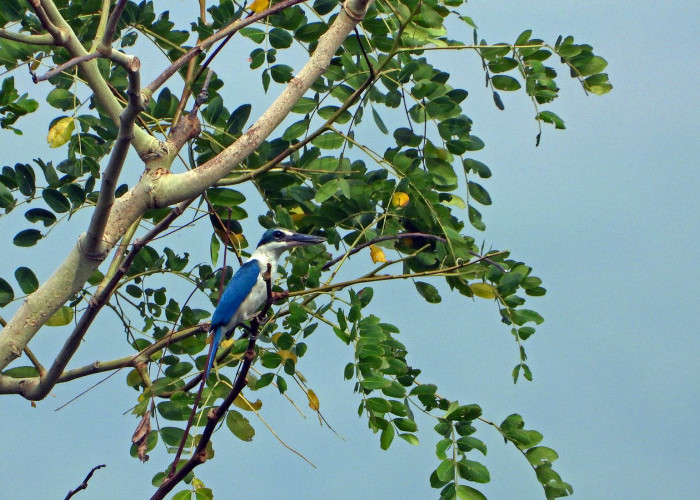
(365, 143)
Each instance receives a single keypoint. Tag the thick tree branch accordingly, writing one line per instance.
(108, 103)
(170, 189)
(156, 189)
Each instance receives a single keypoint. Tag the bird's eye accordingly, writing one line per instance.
(279, 235)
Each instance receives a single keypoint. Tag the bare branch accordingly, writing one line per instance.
(59, 36)
(63, 67)
(45, 39)
(92, 244)
(112, 24)
(84, 484)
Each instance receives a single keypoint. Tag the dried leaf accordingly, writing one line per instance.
(140, 436)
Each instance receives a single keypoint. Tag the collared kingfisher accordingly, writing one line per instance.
(247, 290)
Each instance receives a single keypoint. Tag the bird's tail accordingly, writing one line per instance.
(215, 341)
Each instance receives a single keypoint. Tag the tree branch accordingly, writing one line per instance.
(58, 35)
(45, 39)
(84, 484)
(93, 245)
(170, 189)
(35, 389)
(216, 414)
(158, 190)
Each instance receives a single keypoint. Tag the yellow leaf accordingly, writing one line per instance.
(483, 290)
(60, 132)
(285, 355)
(399, 199)
(246, 405)
(377, 254)
(61, 317)
(314, 404)
(297, 214)
(233, 240)
(259, 5)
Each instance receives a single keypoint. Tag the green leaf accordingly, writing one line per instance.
(375, 382)
(468, 443)
(27, 238)
(541, 455)
(473, 471)
(502, 64)
(379, 405)
(522, 316)
(379, 122)
(478, 193)
(225, 197)
(281, 73)
(239, 426)
(62, 317)
(62, 99)
(296, 130)
(324, 7)
(598, 84)
(588, 64)
(305, 105)
(465, 492)
(172, 436)
(40, 215)
(428, 291)
(21, 372)
(255, 34)
(27, 279)
(6, 198)
(445, 470)
(464, 412)
(387, 437)
(410, 439)
(238, 119)
(172, 410)
(56, 200)
(7, 295)
(279, 38)
(505, 82)
(550, 117)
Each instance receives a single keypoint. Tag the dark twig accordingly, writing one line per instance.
(387, 237)
(223, 33)
(84, 484)
(216, 414)
(34, 389)
(198, 397)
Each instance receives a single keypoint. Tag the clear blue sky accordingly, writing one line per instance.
(607, 213)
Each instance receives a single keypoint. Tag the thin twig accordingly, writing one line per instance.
(199, 456)
(84, 484)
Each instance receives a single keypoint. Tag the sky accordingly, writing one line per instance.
(606, 212)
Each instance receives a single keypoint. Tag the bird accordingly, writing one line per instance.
(247, 290)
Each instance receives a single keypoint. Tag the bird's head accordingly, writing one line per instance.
(277, 240)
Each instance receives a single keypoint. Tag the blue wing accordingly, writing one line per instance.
(237, 290)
